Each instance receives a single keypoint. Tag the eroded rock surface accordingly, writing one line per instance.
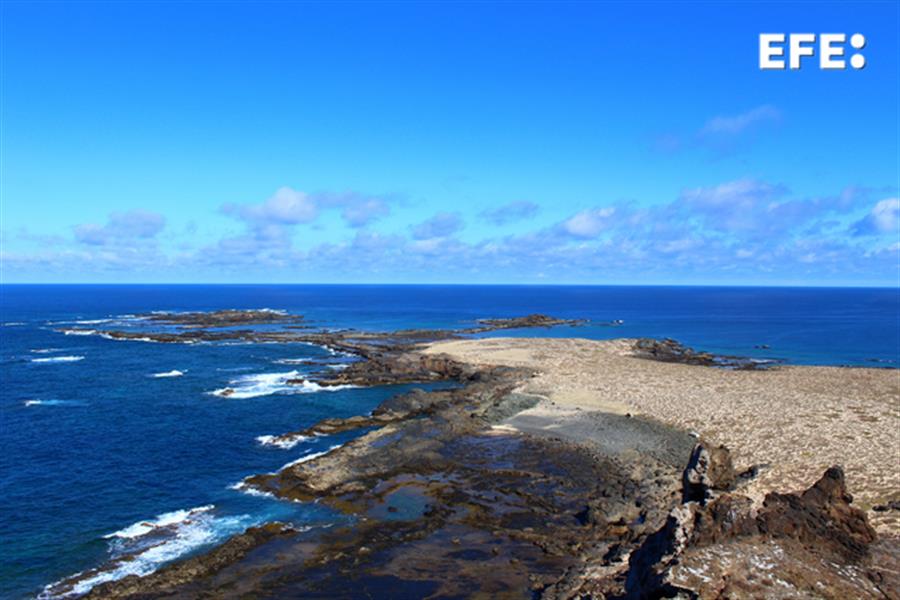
(812, 544)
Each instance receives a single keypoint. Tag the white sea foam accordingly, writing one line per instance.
(143, 547)
(283, 442)
(262, 384)
(246, 488)
(339, 366)
(292, 361)
(329, 349)
(46, 350)
(93, 321)
(335, 352)
(106, 336)
(265, 384)
(57, 359)
(52, 403)
(168, 519)
(79, 331)
(309, 457)
(13, 324)
(172, 373)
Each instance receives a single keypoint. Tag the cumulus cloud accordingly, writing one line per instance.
(735, 124)
(291, 207)
(285, 207)
(884, 218)
(589, 223)
(357, 210)
(743, 228)
(742, 205)
(510, 213)
(365, 212)
(441, 225)
(121, 227)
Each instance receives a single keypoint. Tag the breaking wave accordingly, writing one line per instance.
(265, 384)
(285, 442)
(57, 359)
(309, 457)
(52, 403)
(293, 361)
(143, 547)
(244, 487)
(172, 373)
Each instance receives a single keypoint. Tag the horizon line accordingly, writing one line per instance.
(460, 284)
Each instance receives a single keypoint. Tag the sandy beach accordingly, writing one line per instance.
(793, 422)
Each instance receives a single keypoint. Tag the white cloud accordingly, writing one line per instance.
(121, 227)
(441, 225)
(735, 124)
(884, 218)
(589, 223)
(285, 207)
(365, 211)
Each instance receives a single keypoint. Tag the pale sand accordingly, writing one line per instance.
(798, 420)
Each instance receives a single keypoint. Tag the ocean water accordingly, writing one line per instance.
(117, 456)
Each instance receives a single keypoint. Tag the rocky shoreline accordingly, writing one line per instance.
(454, 497)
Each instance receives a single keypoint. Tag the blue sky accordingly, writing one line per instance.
(439, 142)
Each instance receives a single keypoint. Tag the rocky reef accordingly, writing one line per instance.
(222, 318)
(448, 499)
(669, 350)
(446, 505)
(230, 325)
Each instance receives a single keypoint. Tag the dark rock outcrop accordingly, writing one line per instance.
(709, 469)
(669, 350)
(528, 321)
(391, 367)
(223, 318)
(811, 544)
(821, 518)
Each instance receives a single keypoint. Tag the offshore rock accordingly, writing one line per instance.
(669, 350)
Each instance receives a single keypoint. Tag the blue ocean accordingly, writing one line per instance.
(117, 457)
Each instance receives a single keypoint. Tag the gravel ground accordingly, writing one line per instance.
(797, 421)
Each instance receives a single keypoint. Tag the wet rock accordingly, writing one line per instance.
(447, 506)
(390, 368)
(192, 569)
(222, 318)
(509, 405)
(533, 320)
(669, 350)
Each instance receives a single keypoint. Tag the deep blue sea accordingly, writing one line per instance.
(116, 456)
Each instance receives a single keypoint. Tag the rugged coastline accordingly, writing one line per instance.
(503, 488)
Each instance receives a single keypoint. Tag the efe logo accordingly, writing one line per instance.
(800, 45)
